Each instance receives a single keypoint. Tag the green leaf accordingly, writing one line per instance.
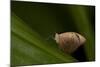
(28, 47)
(83, 24)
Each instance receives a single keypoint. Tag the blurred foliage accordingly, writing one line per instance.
(33, 25)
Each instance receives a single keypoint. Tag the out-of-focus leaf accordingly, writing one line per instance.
(84, 26)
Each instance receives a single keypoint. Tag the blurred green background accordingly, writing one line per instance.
(33, 24)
